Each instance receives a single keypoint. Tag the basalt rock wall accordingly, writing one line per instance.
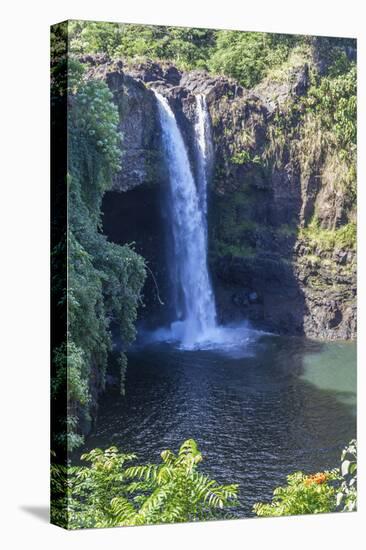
(266, 187)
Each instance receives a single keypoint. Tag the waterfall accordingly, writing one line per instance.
(195, 310)
(204, 150)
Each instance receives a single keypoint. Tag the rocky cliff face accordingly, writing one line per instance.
(266, 187)
(139, 126)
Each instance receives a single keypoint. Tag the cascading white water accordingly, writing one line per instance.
(187, 205)
(204, 150)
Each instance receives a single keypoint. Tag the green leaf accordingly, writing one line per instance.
(345, 466)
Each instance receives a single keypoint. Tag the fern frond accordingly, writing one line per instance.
(148, 472)
(122, 510)
(139, 486)
(154, 502)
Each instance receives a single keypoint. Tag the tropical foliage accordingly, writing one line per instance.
(188, 47)
(303, 494)
(328, 491)
(104, 280)
(248, 56)
(108, 493)
(347, 492)
(335, 99)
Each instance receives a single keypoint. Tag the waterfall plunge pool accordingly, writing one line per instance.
(235, 340)
(279, 405)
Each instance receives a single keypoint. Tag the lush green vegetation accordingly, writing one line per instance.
(329, 239)
(104, 280)
(244, 157)
(302, 495)
(322, 492)
(187, 47)
(246, 56)
(249, 56)
(333, 100)
(108, 493)
(347, 492)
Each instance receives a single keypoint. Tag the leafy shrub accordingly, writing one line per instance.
(335, 100)
(188, 47)
(244, 157)
(104, 280)
(303, 494)
(327, 491)
(96, 117)
(107, 493)
(248, 56)
(70, 384)
(347, 492)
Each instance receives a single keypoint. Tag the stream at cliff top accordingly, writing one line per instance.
(282, 404)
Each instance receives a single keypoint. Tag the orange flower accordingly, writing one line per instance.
(320, 477)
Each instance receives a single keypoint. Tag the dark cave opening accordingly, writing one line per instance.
(136, 217)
